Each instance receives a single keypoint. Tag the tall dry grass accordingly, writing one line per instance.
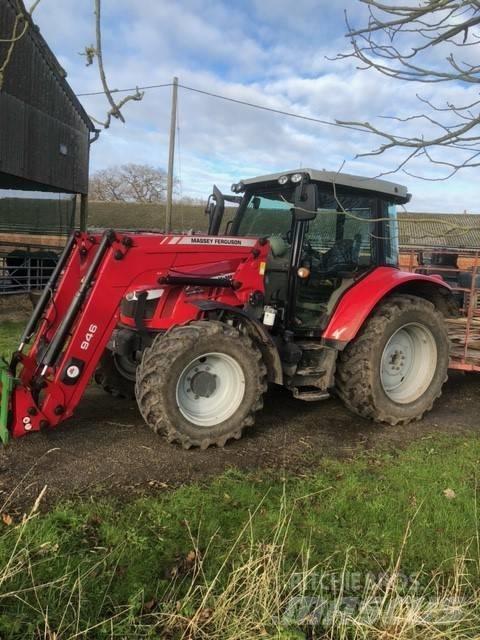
(258, 591)
(25, 560)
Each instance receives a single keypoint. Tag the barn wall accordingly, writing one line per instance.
(44, 132)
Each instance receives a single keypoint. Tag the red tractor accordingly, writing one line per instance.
(301, 287)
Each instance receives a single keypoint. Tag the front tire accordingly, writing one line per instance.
(395, 368)
(116, 375)
(201, 384)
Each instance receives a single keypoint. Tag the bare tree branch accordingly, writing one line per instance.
(416, 43)
(97, 51)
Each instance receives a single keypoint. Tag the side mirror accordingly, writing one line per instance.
(215, 209)
(210, 206)
(256, 202)
(305, 202)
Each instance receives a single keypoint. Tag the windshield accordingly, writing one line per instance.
(268, 213)
(343, 220)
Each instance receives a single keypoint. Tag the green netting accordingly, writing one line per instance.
(55, 216)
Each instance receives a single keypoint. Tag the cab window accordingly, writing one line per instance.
(266, 214)
(341, 237)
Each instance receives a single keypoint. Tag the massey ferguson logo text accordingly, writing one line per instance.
(209, 241)
(234, 241)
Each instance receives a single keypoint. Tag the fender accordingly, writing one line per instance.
(360, 300)
(257, 332)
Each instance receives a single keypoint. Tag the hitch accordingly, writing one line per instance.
(6, 387)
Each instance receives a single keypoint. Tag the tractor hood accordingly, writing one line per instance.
(193, 268)
(182, 256)
(207, 256)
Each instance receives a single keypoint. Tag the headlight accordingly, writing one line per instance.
(297, 177)
(283, 180)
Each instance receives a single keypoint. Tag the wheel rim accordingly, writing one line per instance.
(210, 389)
(408, 363)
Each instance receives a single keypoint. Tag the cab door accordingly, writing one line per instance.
(339, 245)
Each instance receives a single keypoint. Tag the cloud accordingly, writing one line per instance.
(262, 51)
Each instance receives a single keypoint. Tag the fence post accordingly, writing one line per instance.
(83, 211)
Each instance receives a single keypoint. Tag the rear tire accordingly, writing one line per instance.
(395, 368)
(112, 376)
(201, 384)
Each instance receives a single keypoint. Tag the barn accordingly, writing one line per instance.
(45, 136)
(44, 130)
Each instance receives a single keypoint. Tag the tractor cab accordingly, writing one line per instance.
(325, 229)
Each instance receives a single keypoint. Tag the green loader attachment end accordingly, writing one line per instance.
(6, 387)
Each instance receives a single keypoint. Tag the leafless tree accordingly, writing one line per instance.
(129, 183)
(429, 41)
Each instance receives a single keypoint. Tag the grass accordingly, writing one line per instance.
(9, 333)
(231, 558)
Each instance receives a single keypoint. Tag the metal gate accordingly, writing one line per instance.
(26, 268)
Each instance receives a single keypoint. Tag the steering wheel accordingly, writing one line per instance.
(341, 256)
(310, 251)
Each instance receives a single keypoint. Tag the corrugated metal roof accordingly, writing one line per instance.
(449, 230)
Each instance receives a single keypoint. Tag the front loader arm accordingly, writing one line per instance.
(78, 312)
(75, 329)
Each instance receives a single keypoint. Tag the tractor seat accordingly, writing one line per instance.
(343, 256)
(276, 276)
(278, 246)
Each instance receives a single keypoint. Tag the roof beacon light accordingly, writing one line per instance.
(283, 180)
(297, 177)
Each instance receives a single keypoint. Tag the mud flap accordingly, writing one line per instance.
(6, 387)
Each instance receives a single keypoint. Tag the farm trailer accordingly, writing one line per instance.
(460, 268)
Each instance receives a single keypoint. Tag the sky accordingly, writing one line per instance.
(271, 52)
